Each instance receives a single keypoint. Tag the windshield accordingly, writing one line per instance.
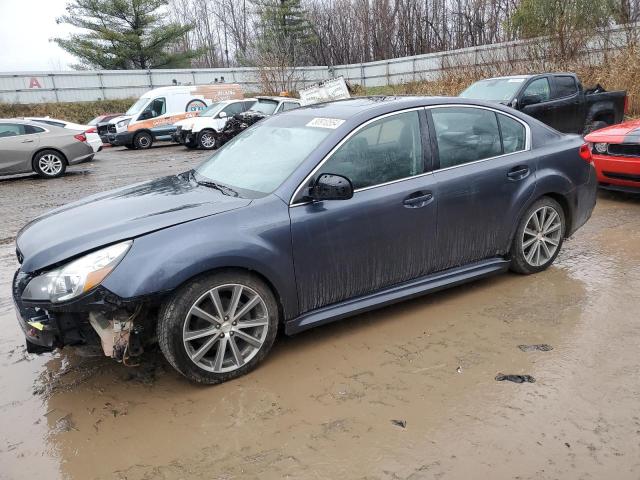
(265, 106)
(211, 110)
(262, 157)
(138, 106)
(94, 121)
(494, 89)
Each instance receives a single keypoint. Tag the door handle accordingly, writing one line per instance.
(27, 141)
(418, 199)
(518, 173)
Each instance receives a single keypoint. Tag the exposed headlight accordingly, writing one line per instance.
(76, 277)
(123, 123)
(601, 147)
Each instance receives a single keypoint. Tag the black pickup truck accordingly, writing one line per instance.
(556, 99)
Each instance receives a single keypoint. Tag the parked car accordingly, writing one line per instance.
(153, 115)
(264, 107)
(27, 146)
(616, 154)
(202, 131)
(306, 218)
(556, 99)
(90, 132)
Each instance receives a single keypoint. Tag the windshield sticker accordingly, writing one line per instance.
(516, 80)
(320, 122)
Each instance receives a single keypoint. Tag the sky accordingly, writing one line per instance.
(25, 29)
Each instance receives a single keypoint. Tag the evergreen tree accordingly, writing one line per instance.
(284, 29)
(124, 34)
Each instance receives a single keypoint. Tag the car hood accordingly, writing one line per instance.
(115, 120)
(118, 215)
(627, 132)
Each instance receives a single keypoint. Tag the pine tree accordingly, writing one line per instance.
(123, 34)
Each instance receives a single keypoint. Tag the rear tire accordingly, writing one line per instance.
(538, 238)
(49, 164)
(142, 140)
(207, 139)
(593, 126)
(205, 333)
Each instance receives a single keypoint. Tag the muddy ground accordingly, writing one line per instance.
(407, 392)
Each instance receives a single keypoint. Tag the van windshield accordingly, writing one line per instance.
(258, 160)
(138, 106)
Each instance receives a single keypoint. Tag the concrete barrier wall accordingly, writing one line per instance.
(78, 86)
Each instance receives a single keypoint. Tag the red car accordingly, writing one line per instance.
(616, 154)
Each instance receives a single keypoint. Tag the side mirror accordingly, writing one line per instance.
(145, 115)
(331, 187)
(530, 100)
(222, 115)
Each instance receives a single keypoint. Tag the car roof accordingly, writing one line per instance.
(362, 108)
(278, 99)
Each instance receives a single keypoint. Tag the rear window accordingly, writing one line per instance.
(565, 86)
(265, 106)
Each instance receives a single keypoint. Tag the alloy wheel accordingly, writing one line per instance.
(50, 164)
(207, 140)
(541, 236)
(225, 328)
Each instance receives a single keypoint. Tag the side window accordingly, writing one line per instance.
(289, 106)
(248, 105)
(538, 88)
(11, 129)
(156, 108)
(233, 108)
(385, 150)
(565, 86)
(513, 134)
(465, 135)
(29, 129)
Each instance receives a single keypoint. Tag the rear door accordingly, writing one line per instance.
(485, 173)
(382, 236)
(18, 142)
(567, 103)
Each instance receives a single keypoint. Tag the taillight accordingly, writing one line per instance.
(626, 104)
(585, 153)
(81, 137)
(91, 130)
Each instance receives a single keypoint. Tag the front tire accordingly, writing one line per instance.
(207, 139)
(49, 164)
(142, 141)
(539, 237)
(218, 327)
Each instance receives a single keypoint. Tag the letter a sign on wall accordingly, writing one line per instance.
(34, 83)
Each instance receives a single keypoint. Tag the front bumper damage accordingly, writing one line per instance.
(101, 318)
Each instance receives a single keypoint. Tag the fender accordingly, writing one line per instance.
(161, 261)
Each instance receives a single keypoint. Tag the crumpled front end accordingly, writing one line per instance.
(98, 319)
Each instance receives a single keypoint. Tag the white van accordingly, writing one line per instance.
(153, 115)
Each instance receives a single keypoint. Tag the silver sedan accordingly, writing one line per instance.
(44, 149)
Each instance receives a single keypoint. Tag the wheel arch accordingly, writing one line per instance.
(555, 195)
(42, 149)
(242, 270)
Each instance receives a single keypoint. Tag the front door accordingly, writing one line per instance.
(382, 236)
(485, 175)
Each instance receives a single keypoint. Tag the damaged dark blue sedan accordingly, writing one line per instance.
(306, 218)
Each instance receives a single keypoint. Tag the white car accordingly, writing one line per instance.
(93, 139)
(201, 131)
